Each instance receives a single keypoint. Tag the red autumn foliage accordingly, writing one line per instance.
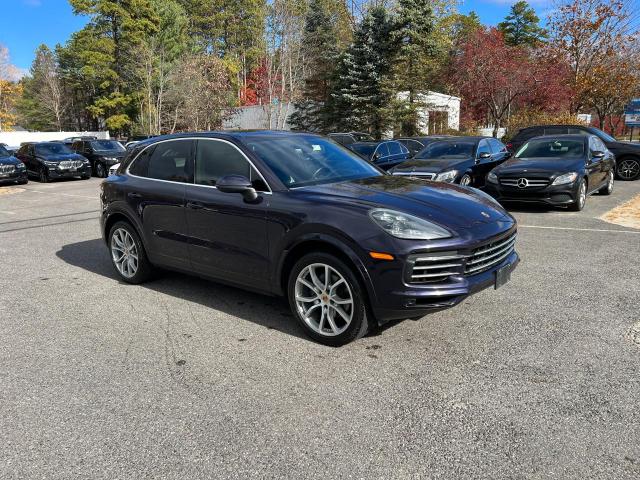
(494, 78)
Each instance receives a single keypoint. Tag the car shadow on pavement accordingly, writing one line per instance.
(269, 312)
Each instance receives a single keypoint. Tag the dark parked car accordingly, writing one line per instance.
(53, 160)
(347, 139)
(103, 154)
(295, 214)
(385, 154)
(415, 144)
(561, 170)
(627, 153)
(463, 160)
(12, 170)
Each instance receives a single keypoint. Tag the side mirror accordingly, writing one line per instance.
(237, 184)
(597, 154)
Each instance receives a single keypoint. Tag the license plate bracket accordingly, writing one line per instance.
(503, 275)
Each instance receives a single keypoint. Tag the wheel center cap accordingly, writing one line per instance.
(325, 298)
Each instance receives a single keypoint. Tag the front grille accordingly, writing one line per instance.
(70, 164)
(524, 182)
(7, 168)
(487, 256)
(426, 176)
(434, 268)
(437, 267)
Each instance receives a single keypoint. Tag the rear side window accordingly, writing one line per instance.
(497, 146)
(168, 161)
(394, 148)
(382, 150)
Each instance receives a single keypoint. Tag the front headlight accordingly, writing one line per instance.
(565, 178)
(20, 166)
(448, 176)
(492, 178)
(408, 227)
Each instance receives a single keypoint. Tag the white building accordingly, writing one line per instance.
(439, 113)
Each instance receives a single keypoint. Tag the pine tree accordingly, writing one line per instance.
(415, 43)
(325, 36)
(522, 26)
(107, 43)
(43, 103)
(359, 98)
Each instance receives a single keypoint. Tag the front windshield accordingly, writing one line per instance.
(4, 152)
(52, 149)
(301, 160)
(551, 149)
(445, 150)
(107, 145)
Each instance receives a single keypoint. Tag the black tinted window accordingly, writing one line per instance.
(497, 146)
(216, 159)
(383, 150)
(170, 161)
(394, 148)
(528, 133)
(165, 161)
(483, 147)
(555, 130)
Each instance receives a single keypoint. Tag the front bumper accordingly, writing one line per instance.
(15, 176)
(557, 195)
(398, 296)
(57, 173)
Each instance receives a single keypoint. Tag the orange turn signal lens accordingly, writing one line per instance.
(380, 256)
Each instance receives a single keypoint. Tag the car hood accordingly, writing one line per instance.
(62, 157)
(549, 165)
(9, 161)
(446, 204)
(109, 154)
(430, 165)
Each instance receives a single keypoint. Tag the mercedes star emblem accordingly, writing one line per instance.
(523, 183)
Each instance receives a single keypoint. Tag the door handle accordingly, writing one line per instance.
(134, 195)
(195, 205)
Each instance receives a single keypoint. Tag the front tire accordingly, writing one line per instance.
(581, 197)
(128, 255)
(608, 188)
(629, 169)
(44, 175)
(466, 180)
(327, 300)
(101, 170)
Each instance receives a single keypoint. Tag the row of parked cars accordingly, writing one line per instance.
(560, 165)
(79, 157)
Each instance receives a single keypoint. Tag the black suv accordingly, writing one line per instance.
(627, 153)
(101, 153)
(296, 214)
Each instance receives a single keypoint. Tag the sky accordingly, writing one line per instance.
(28, 23)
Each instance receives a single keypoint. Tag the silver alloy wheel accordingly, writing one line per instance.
(610, 182)
(324, 299)
(465, 180)
(100, 170)
(582, 194)
(629, 169)
(124, 253)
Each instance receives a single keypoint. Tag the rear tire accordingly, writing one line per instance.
(128, 255)
(581, 197)
(608, 188)
(327, 300)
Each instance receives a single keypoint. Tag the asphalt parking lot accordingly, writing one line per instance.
(182, 378)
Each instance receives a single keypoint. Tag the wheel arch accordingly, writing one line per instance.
(327, 244)
(118, 216)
